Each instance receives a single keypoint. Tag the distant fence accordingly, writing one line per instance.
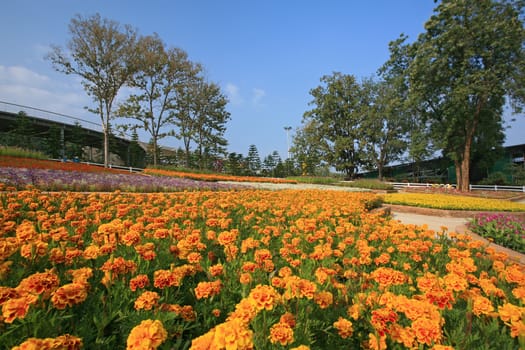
(111, 166)
(399, 185)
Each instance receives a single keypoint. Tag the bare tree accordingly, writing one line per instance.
(103, 53)
(156, 83)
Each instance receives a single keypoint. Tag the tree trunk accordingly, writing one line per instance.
(106, 148)
(464, 180)
(154, 151)
(457, 166)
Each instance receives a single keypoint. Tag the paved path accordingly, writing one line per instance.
(433, 222)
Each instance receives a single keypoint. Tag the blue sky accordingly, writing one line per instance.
(266, 55)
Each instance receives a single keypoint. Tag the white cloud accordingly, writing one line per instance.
(232, 91)
(257, 95)
(21, 75)
(23, 86)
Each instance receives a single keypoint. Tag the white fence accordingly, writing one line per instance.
(111, 166)
(398, 185)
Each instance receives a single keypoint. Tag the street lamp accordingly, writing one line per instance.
(287, 128)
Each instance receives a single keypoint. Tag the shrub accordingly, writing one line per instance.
(497, 178)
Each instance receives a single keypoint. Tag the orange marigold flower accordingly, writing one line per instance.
(482, 306)
(344, 327)
(324, 299)
(81, 275)
(187, 313)
(301, 347)
(442, 347)
(91, 252)
(455, 282)
(288, 318)
(194, 257)
(510, 312)
(245, 278)
(386, 276)
(139, 281)
(354, 311)
(517, 329)
(227, 237)
(39, 283)
(519, 293)
(17, 307)
(426, 330)
(515, 274)
(204, 342)
(216, 270)
(285, 271)
(265, 297)
(65, 341)
(381, 318)
(216, 312)
(261, 255)
(233, 334)
(147, 300)
(245, 310)
(148, 335)
(7, 293)
(69, 295)
(208, 289)
(281, 333)
(376, 343)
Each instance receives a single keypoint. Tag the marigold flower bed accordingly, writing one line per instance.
(241, 270)
(216, 177)
(452, 202)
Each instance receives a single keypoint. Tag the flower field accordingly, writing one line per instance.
(452, 202)
(215, 177)
(72, 180)
(242, 270)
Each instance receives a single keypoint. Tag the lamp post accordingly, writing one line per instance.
(287, 128)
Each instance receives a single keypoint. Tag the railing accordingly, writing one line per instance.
(111, 166)
(398, 185)
(498, 188)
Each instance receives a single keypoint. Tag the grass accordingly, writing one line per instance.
(21, 152)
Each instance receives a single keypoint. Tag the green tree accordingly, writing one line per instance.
(75, 142)
(22, 134)
(253, 159)
(162, 71)
(307, 147)
(53, 142)
(103, 54)
(395, 73)
(201, 118)
(385, 126)
(470, 57)
(135, 152)
(339, 115)
(235, 163)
